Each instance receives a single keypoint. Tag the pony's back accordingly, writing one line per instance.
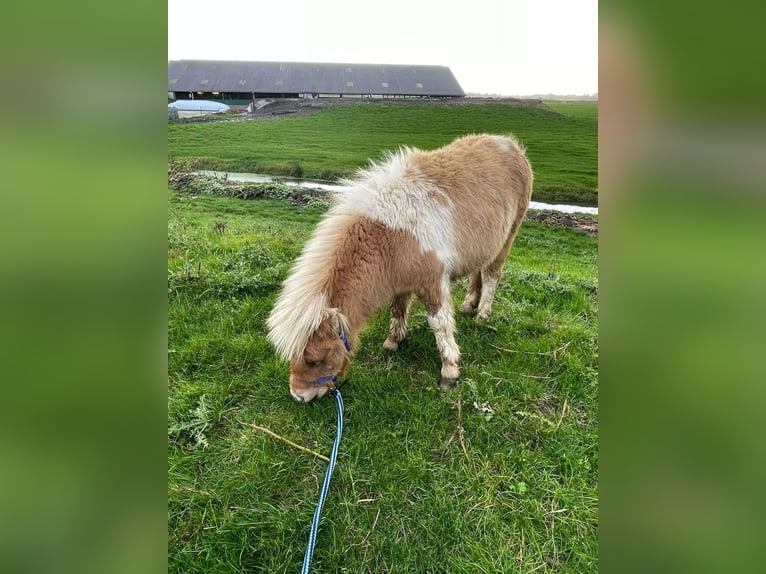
(462, 201)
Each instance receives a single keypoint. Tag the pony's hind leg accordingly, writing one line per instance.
(490, 276)
(400, 306)
(473, 295)
(441, 319)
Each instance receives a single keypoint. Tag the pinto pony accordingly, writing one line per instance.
(408, 225)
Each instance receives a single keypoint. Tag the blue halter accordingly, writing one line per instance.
(334, 379)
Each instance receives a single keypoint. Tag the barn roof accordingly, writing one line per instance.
(303, 77)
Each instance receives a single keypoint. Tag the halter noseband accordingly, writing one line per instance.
(333, 379)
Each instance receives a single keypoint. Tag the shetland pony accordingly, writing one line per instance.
(407, 225)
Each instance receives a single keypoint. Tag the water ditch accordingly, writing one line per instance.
(307, 183)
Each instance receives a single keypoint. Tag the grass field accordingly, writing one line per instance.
(406, 497)
(562, 147)
(576, 109)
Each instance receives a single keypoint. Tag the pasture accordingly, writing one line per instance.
(561, 145)
(497, 475)
(577, 109)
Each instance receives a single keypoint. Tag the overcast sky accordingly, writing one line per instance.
(509, 47)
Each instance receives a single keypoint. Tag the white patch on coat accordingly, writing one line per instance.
(513, 142)
(397, 195)
(503, 143)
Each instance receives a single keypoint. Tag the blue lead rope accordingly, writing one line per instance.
(325, 485)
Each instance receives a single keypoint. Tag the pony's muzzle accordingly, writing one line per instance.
(298, 397)
(306, 392)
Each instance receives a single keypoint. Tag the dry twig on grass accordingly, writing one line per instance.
(284, 440)
(459, 431)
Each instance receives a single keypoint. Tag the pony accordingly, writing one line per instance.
(407, 225)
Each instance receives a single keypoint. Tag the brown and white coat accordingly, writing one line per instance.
(408, 225)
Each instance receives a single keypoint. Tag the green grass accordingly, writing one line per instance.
(577, 109)
(403, 498)
(563, 149)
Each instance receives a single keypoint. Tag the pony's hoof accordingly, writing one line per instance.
(482, 317)
(390, 346)
(467, 308)
(446, 384)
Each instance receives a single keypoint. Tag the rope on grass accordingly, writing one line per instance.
(335, 393)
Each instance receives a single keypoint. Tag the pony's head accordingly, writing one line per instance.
(313, 338)
(322, 363)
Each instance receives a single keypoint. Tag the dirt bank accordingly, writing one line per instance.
(580, 222)
(274, 109)
(280, 108)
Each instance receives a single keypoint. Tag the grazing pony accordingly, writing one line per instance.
(408, 225)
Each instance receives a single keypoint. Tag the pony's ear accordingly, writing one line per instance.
(338, 320)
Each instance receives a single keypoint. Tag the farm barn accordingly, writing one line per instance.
(238, 83)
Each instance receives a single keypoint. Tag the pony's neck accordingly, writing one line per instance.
(356, 295)
(358, 284)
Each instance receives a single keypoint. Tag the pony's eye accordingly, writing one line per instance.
(312, 363)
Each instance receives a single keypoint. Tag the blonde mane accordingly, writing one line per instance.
(302, 304)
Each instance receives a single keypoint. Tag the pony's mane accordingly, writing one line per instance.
(302, 305)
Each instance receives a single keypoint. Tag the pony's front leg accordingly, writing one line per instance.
(441, 319)
(400, 307)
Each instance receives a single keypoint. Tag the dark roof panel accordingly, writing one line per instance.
(302, 77)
